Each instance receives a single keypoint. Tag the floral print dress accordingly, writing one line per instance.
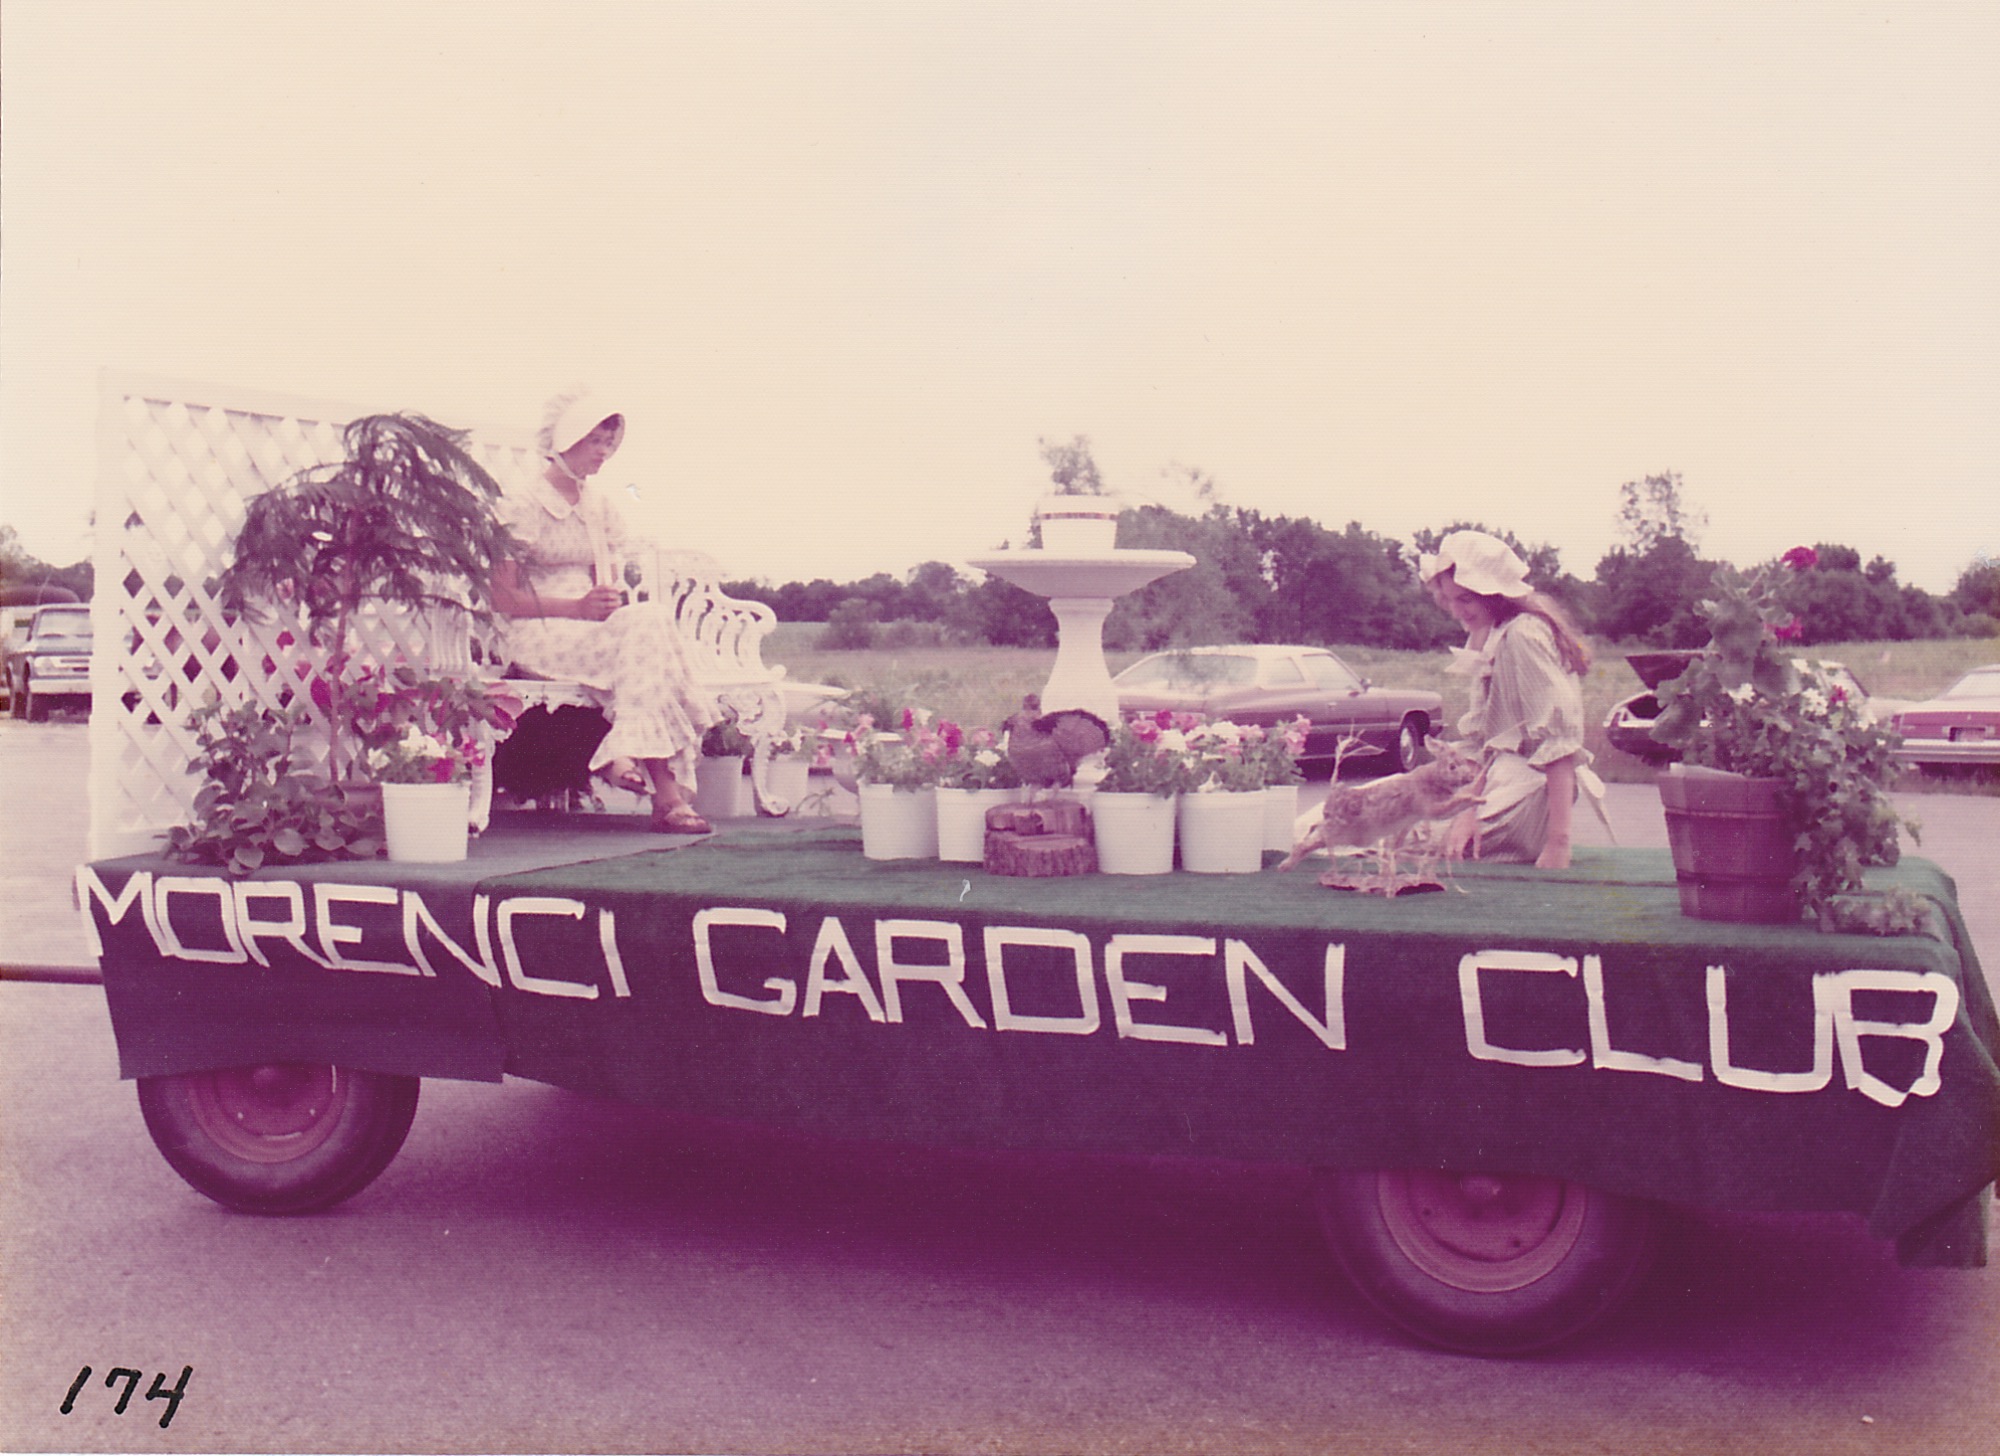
(1527, 712)
(634, 662)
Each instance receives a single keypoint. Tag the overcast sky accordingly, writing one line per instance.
(843, 263)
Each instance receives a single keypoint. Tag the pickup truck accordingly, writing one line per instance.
(52, 667)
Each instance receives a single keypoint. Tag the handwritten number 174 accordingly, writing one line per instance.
(131, 1378)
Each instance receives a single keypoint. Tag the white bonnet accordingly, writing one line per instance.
(570, 416)
(1479, 563)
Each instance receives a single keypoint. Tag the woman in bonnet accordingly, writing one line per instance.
(1527, 661)
(566, 601)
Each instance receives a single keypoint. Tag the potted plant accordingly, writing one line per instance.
(1277, 757)
(424, 735)
(1781, 796)
(791, 765)
(1146, 768)
(266, 799)
(722, 787)
(975, 775)
(406, 519)
(896, 780)
(1220, 819)
(1078, 517)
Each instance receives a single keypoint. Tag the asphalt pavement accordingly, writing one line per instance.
(542, 1271)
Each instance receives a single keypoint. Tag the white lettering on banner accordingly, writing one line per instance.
(1470, 966)
(1603, 1054)
(950, 975)
(1332, 1032)
(138, 890)
(1835, 992)
(1005, 1017)
(417, 917)
(1750, 1078)
(559, 906)
(704, 960)
(607, 942)
(333, 935)
(291, 930)
(833, 945)
(164, 890)
(1124, 992)
(249, 915)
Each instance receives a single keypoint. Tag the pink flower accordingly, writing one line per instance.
(1836, 694)
(1790, 632)
(1164, 718)
(909, 720)
(1801, 558)
(441, 770)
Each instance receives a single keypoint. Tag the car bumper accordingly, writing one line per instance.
(1941, 750)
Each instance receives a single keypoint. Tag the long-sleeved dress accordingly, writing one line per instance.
(634, 661)
(1526, 713)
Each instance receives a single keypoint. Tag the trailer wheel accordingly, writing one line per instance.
(279, 1139)
(1489, 1263)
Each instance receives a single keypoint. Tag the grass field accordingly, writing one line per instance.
(983, 685)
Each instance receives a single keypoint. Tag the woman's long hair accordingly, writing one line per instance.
(1570, 644)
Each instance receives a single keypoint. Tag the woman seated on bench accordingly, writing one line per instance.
(566, 599)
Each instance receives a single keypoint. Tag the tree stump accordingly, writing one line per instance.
(1040, 840)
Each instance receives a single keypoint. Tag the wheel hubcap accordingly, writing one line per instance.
(1484, 1233)
(269, 1114)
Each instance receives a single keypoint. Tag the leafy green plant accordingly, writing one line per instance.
(975, 760)
(1746, 705)
(1149, 756)
(1072, 468)
(406, 518)
(265, 801)
(726, 740)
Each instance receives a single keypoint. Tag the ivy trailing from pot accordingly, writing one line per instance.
(266, 799)
(1747, 706)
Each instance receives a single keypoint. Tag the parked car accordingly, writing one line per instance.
(1629, 724)
(1269, 684)
(1959, 725)
(52, 667)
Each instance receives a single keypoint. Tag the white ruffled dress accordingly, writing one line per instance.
(633, 662)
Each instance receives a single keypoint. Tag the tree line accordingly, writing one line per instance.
(1260, 578)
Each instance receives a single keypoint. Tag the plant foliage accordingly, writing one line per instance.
(1746, 705)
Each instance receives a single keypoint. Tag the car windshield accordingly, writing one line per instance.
(1982, 682)
(63, 624)
(1182, 672)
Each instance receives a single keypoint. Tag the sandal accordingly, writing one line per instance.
(681, 819)
(623, 773)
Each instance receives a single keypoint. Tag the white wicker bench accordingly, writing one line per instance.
(724, 636)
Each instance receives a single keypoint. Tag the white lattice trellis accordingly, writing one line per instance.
(176, 462)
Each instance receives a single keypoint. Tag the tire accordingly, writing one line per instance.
(1409, 749)
(35, 711)
(1486, 1263)
(279, 1139)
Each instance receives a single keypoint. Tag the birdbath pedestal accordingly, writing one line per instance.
(1081, 589)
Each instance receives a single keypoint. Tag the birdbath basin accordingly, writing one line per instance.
(1080, 589)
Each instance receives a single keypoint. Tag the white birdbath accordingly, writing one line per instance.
(1080, 589)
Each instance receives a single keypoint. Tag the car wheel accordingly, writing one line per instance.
(1410, 739)
(279, 1139)
(1489, 1263)
(31, 709)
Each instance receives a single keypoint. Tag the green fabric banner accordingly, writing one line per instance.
(1571, 1024)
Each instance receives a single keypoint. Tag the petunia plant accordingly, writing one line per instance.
(1747, 705)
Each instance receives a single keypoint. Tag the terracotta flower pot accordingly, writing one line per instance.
(1733, 854)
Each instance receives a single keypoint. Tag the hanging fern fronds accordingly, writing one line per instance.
(407, 517)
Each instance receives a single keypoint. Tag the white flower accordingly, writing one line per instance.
(1173, 741)
(1815, 702)
(986, 758)
(1742, 694)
